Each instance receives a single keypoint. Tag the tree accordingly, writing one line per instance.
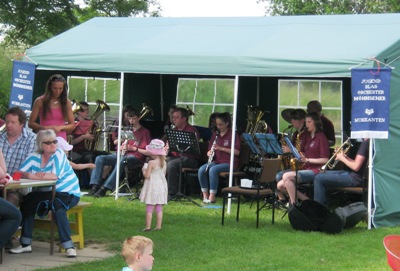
(123, 8)
(319, 7)
(33, 21)
(30, 22)
(24, 23)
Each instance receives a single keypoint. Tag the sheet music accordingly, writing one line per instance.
(293, 149)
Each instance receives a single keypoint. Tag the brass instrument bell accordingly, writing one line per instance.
(76, 107)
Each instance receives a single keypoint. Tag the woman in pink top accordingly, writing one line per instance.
(53, 108)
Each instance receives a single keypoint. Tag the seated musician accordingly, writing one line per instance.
(297, 120)
(84, 142)
(219, 157)
(314, 154)
(134, 152)
(352, 177)
(180, 120)
(81, 135)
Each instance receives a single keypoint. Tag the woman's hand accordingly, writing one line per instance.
(57, 129)
(4, 181)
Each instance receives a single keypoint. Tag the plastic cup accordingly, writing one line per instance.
(17, 176)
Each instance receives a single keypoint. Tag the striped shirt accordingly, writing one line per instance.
(16, 153)
(57, 164)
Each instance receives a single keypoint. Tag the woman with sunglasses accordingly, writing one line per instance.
(53, 108)
(48, 163)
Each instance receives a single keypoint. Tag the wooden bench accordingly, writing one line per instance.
(75, 217)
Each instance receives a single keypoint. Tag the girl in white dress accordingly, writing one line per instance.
(155, 189)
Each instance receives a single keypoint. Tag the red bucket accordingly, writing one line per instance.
(392, 246)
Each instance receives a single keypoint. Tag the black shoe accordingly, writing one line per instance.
(101, 192)
(93, 190)
(8, 245)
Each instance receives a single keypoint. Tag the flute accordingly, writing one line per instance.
(211, 157)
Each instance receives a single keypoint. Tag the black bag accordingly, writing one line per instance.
(310, 215)
(352, 214)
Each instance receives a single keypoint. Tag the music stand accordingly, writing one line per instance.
(127, 135)
(269, 143)
(253, 146)
(182, 142)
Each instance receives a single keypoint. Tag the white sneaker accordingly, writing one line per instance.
(20, 249)
(206, 201)
(71, 252)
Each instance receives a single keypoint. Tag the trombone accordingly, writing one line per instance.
(331, 164)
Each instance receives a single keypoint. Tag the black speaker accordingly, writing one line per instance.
(352, 214)
(310, 215)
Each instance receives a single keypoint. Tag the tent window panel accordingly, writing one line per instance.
(297, 93)
(206, 91)
(112, 90)
(205, 96)
(331, 93)
(308, 91)
(225, 91)
(186, 88)
(288, 93)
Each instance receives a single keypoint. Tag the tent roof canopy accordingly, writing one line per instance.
(325, 45)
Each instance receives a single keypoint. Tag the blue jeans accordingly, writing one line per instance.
(174, 173)
(110, 160)
(329, 179)
(211, 177)
(60, 216)
(10, 217)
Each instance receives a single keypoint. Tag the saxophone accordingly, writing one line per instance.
(285, 157)
(294, 162)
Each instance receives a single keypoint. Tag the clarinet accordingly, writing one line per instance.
(211, 157)
(125, 144)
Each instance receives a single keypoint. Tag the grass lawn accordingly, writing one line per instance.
(192, 238)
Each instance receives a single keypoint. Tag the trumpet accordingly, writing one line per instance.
(211, 157)
(332, 162)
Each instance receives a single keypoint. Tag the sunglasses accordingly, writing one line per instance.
(50, 142)
(57, 77)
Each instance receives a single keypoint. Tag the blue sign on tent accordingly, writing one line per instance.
(370, 90)
(23, 78)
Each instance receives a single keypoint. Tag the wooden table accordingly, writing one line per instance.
(24, 183)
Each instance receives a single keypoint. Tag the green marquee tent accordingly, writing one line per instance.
(291, 46)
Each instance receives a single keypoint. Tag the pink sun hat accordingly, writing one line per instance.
(156, 147)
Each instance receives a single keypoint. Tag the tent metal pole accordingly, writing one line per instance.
(162, 98)
(370, 168)
(235, 98)
(121, 98)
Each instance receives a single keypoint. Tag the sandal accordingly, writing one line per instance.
(145, 229)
